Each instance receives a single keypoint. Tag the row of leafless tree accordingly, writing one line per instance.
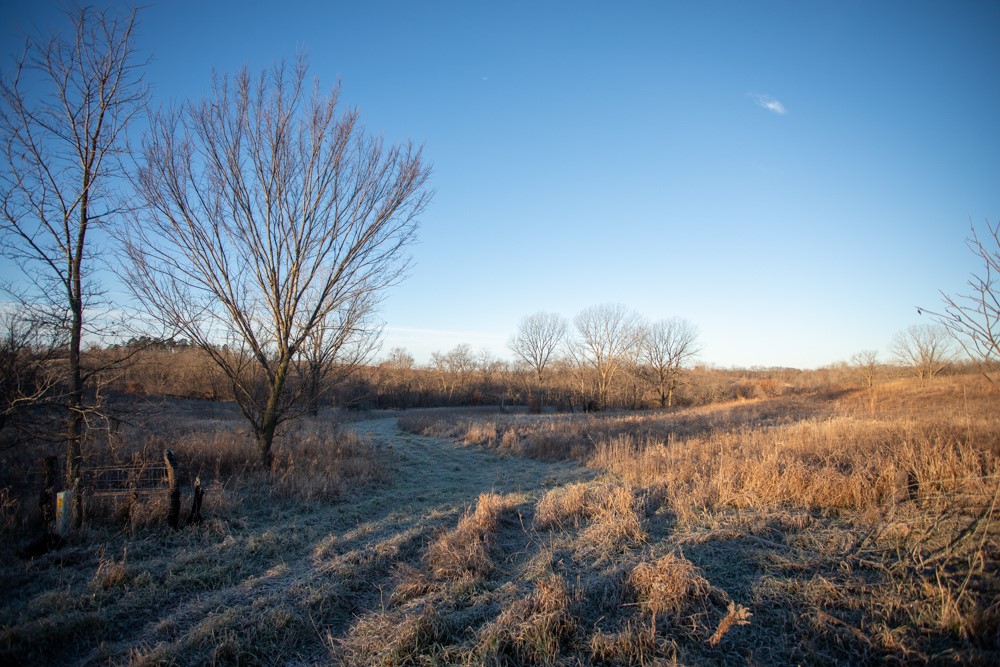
(609, 339)
(464, 376)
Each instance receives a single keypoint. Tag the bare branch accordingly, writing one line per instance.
(274, 225)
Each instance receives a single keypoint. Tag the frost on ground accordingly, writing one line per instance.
(768, 532)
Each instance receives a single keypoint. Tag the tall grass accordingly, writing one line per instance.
(874, 515)
(313, 460)
(836, 463)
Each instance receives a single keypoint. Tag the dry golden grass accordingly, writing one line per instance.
(389, 638)
(564, 507)
(534, 629)
(789, 530)
(463, 554)
(838, 463)
(669, 586)
(614, 513)
(633, 645)
(672, 590)
(867, 529)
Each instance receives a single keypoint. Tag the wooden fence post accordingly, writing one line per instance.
(195, 516)
(174, 512)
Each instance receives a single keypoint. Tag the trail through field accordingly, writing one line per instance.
(291, 581)
(441, 478)
(435, 481)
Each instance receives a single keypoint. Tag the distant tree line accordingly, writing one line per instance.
(654, 375)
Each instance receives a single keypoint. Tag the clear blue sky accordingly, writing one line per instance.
(792, 177)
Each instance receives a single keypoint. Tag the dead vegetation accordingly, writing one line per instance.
(839, 529)
(780, 531)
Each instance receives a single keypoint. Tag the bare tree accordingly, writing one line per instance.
(664, 348)
(400, 358)
(396, 374)
(66, 110)
(454, 368)
(924, 348)
(271, 214)
(537, 339)
(973, 318)
(608, 338)
(865, 364)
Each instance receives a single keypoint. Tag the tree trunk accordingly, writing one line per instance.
(74, 425)
(271, 416)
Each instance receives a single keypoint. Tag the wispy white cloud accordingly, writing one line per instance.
(769, 103)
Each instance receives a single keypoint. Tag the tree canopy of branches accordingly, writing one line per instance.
(865, 364)
(974, 317)
(664, 347)
(66, 110)
(608, 338)
(453, 367)
(924, 348)
(272, 218)
(538, 337)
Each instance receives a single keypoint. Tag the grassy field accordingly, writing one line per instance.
(837, 528)
(832, 529)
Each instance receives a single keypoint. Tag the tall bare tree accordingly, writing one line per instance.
(537, 339)
(924, 348)
(270, 211)
(608, 337)
(973, 318)
(66, 110)
(664, 347)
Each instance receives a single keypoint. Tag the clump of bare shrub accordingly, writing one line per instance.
(312, 461)
(325, 466)
(673, 591)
